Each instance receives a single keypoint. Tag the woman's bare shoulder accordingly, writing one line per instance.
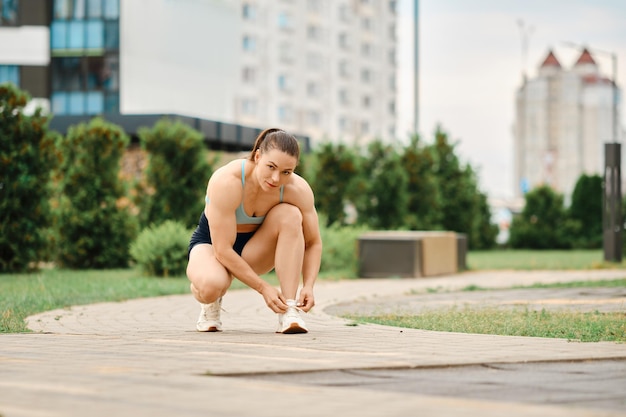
(228, 172)
(298, 191)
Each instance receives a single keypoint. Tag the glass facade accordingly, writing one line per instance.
(84, 43)
(8, 12)
(10, 73)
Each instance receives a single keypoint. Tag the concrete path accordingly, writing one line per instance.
(144, 357)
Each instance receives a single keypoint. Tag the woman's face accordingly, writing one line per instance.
(274, 168)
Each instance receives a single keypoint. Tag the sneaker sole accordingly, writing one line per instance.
(210, 330)
(293, 329)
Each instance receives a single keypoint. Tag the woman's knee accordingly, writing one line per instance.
(287, 216)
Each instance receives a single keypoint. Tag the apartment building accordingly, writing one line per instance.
(325, 69)
(564, 116)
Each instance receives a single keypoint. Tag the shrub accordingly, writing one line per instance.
(161, 250)
(93, 221)
(340, 247)
(177, 173)
(26, 159)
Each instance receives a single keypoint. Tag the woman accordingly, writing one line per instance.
(259, 215)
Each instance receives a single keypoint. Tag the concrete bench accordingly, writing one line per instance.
(411, 253)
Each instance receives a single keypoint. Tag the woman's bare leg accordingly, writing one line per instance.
(279, 243)
(209, 279)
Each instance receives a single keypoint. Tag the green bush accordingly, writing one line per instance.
(340, 247)
(26, 159)
(161, 250)
(93, 220)
(177, 173)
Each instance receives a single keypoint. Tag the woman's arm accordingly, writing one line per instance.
(312, 248)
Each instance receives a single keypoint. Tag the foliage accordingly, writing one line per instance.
(340, 251)
(93, 221)
(543, 223)
(424, 198)
(464, 209)
(572, 325)
(161, 250)
(586, 208)
(26, 159)
(384, 202)
(178, 170)
(336, 168)
(538, 259)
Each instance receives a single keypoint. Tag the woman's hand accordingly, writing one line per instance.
(274, 299)
(306, 301)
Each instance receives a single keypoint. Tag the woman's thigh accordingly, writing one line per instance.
(203, 269)
(260, 251)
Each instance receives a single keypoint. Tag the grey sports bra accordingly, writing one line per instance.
(240, 213)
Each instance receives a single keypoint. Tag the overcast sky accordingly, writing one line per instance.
(471, 65)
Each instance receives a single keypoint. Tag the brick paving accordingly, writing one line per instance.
(144, 357)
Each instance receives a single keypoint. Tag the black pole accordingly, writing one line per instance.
(612, 203)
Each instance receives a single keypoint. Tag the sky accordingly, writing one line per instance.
(471, 62)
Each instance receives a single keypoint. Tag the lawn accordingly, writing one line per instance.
(22, 295)
(539, 259)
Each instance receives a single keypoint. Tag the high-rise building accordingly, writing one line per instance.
(325, 69)
(564, 116)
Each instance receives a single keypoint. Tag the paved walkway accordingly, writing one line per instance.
(144, 357)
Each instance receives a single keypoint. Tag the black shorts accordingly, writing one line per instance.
(202, 234)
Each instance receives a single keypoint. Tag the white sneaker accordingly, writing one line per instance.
(290, 322)
(209, 320)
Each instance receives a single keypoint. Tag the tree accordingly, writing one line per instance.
(177, 173)
(384, 202)
(463, 209)
(543, 223)
(586, 208)
(26, 159)
(93, 219)
(424, 199)
(336, 168)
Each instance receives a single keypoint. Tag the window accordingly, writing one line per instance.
(344, 124)
(10, 74)
(392, 107)
(392, 32)
(393, 6)
(366, 49)
(366, 24)
(313, 89)
(284, 83)
(367, 101)
(313, 118)
(365, 127)
(366, 75)
(86, 9)
(249, 106)
(285, 51)
(8, 12)
(249, 43)
(344, 98)
(84, 34)
(284, 20)
(249, 12)
(285, 114)
(248, 75)
(344, 40)
(314, 5)
(344, 68)
(314, 32)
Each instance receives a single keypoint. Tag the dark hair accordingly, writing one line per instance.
(276, 139)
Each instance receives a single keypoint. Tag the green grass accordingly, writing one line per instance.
(535, 259)
(22, 295)
(571, 325)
